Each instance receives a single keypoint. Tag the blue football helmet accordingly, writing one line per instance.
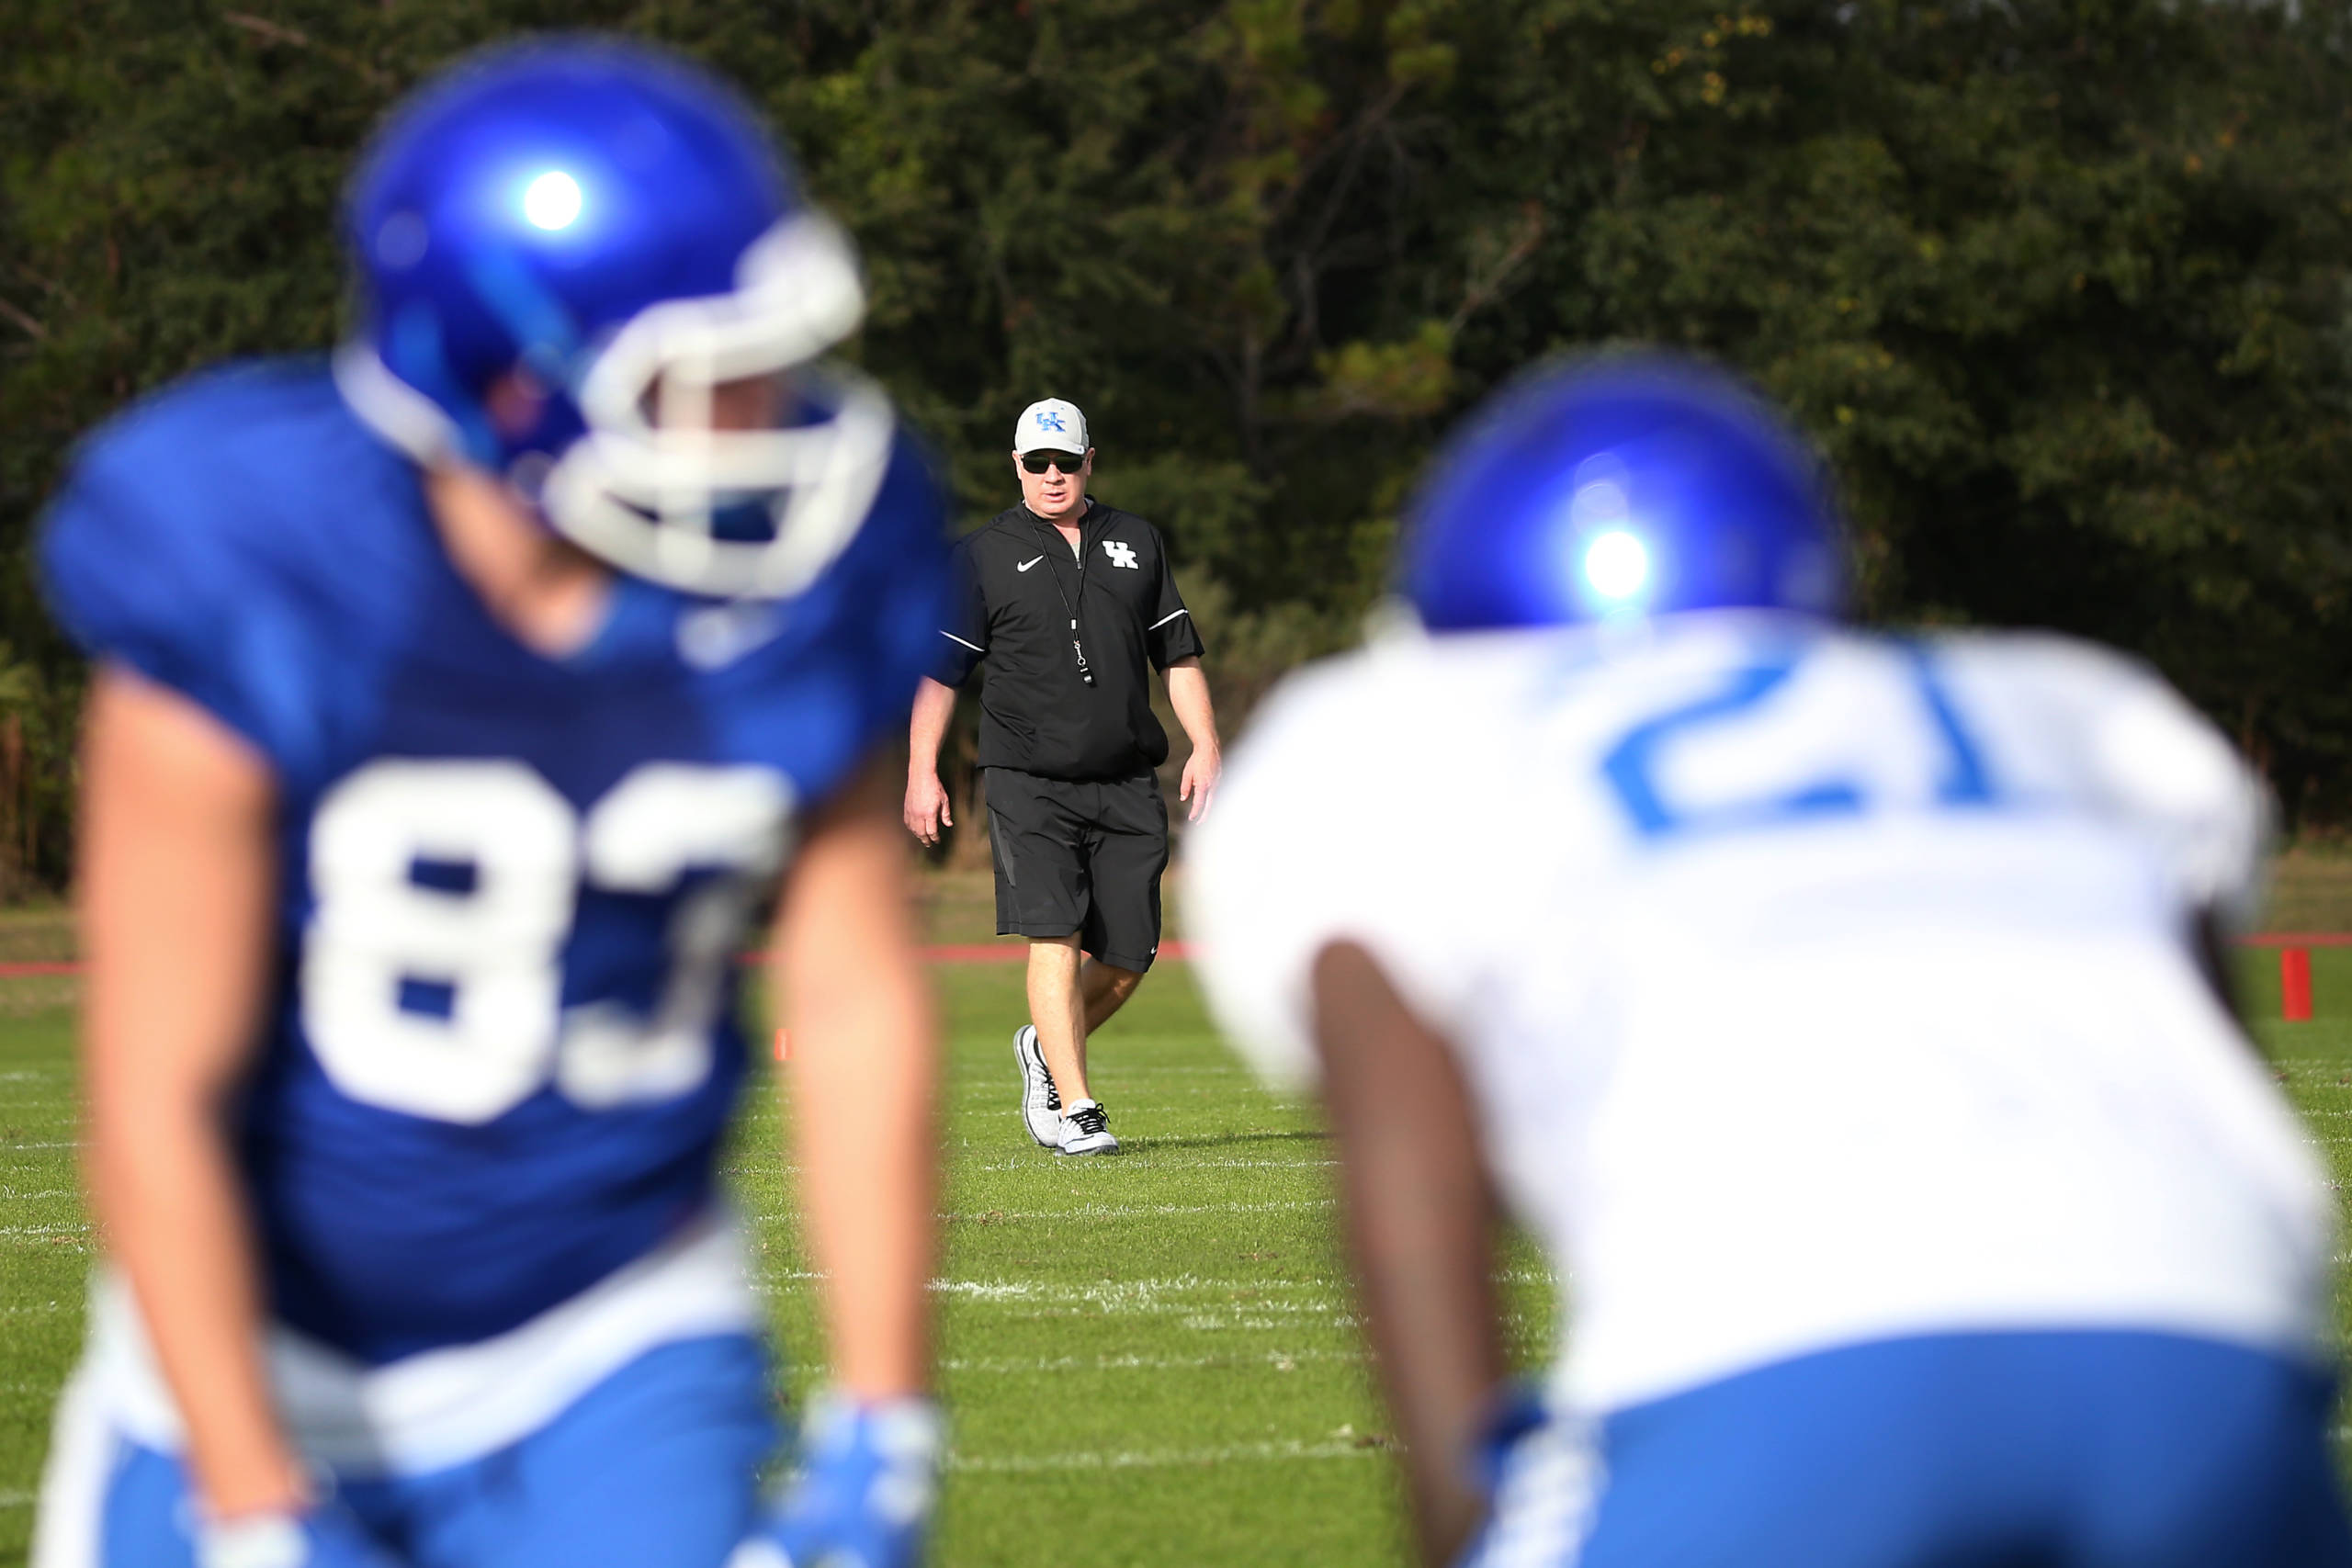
(1621, 487)
(616, 225)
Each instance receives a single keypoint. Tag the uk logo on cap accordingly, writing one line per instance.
(1054, 425)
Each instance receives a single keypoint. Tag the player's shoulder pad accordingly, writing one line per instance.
(2090, 693)
(233, 418)
(183, 523)
(2056, 658)
(218, 460)
(1313, 702)
(1263, 888)
(2100, 696)
(1410, 696)
(840, 673)
(910, 506)
(2144, 753)
(892, 573)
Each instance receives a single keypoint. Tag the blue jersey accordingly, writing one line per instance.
(501, 1050)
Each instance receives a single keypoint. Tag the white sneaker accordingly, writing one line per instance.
(1041, 1102)
(1086, 1131)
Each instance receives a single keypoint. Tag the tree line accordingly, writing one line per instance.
(2059, 287)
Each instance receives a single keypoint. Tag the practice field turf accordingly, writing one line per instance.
(1155, 1354)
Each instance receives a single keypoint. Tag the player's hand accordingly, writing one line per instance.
(1201, 771)
(862, 1494)
(927, 807)
(321, 1536)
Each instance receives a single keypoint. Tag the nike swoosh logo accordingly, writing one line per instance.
(714, 637)
(1024, 565)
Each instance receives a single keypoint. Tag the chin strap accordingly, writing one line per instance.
(412, 352)
(546, 345)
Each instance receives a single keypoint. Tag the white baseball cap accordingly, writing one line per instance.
(1050, 426)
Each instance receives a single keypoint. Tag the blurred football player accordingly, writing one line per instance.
(1837, 1009)
(453, 705)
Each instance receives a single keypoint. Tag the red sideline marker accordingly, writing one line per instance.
(2295, 984)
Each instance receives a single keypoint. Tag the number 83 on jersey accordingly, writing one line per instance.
(445, 892)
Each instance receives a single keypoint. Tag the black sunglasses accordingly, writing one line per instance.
(1038, 462)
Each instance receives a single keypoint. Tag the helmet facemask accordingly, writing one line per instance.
(654, 487)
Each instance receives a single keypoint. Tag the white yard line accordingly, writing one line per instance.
(1200, 1305)
(1170, 1160)
(1152, 1459)
(1277, 1360)
(1240, 1164)
(1111, 1289)
(1092, 1210)
(1135, 1211)
(1137, 1290)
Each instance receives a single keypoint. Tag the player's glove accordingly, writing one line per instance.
(1537, 1471)
(1517, 1410)
(321, 1536)
(862, 1494)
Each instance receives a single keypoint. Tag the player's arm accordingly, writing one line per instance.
(1419, 1217)
(2173, 778)
(177, 869)
(865, 1056)
(2211, 942)
(926, 808)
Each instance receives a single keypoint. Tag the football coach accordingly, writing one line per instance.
(1066, 601)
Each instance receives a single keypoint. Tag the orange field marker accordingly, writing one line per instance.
(2295, 984)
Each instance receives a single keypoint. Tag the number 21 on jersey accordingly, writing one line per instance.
(1813, 772)
(458, 880)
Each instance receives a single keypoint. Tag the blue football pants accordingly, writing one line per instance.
(657, 1465)
(2058, 1449)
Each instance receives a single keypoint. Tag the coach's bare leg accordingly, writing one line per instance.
(1106, 988)
(1058, 1007)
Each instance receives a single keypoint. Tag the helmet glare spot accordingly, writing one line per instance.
(551, 201)
(1616, 564)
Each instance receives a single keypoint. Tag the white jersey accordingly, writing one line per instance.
(1811, 986)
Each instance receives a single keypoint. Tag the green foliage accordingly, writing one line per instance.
(2061, 287)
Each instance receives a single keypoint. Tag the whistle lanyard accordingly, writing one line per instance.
(1053, 569)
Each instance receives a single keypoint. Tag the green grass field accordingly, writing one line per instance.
(1158, 1350)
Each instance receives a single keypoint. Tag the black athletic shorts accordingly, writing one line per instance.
(1080, 857)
